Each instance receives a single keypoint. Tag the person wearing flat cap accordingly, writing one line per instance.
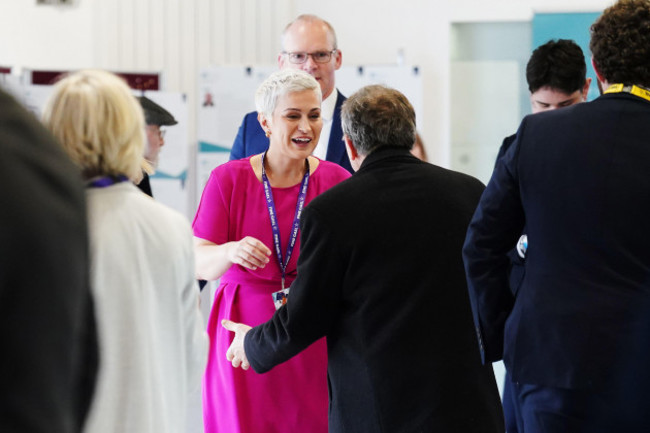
(155, 117)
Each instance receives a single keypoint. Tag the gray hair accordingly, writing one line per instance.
(378, 116)
(280, 83)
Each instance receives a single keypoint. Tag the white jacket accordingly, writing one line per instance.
(152, 342)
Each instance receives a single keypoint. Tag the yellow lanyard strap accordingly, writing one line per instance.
(634, 90)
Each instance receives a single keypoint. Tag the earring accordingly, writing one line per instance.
(268, 134)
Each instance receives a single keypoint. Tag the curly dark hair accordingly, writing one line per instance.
(558, 64)
(620, 43)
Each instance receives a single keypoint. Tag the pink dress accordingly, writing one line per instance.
(293, 396)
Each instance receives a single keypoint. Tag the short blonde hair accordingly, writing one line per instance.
(280, 83)
(99, 123)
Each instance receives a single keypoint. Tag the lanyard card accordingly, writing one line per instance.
(280, 297)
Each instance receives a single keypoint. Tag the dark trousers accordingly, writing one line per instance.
(539, 409)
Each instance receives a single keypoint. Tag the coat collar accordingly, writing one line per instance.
(386, 152)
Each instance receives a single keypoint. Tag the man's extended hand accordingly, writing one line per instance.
(235, 352)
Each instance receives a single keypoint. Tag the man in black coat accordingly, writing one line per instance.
(48, 341)
(380, 274)
(574, 336)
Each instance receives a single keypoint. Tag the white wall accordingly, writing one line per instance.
(373, 31)
(179, 37)
(45, 37)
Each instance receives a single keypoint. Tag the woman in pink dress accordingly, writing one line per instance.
(246, 235)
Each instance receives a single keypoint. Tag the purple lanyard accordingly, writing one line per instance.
(270, 205)
(105, 181)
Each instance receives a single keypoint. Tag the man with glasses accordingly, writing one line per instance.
(155, 117)
(308, 43)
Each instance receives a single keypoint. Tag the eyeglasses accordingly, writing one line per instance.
(157, 130)
(318, 56)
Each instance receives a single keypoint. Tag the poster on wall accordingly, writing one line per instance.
(226, 94)
(406, 79)
(35, 97)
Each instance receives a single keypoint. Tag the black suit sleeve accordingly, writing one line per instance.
(313, 299)
(494, 229)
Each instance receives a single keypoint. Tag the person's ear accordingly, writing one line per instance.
(349, 147)
(338, 59)
(264, 123)
(585, 89)
(598, 74)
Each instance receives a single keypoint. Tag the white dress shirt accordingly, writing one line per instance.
(327, 113)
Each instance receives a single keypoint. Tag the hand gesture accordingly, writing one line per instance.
(249, 253)
(235, 353)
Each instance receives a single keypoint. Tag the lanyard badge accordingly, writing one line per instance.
(280, 297)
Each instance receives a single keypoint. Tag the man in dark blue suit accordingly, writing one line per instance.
(574, 336)
(557, 77)
(308, 43)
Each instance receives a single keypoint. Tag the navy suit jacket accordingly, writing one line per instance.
(251, 140)
(579, 180)
(380, 274)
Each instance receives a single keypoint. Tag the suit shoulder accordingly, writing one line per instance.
(341, 190)
(250, 117)
(457, 186)
(458, 177)
(507, 142)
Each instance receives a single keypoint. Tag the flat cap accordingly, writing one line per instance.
(154, 114)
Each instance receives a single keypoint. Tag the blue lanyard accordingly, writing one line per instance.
(270, 205)
(104, 181)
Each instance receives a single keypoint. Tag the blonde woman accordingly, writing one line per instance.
(152, 346)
